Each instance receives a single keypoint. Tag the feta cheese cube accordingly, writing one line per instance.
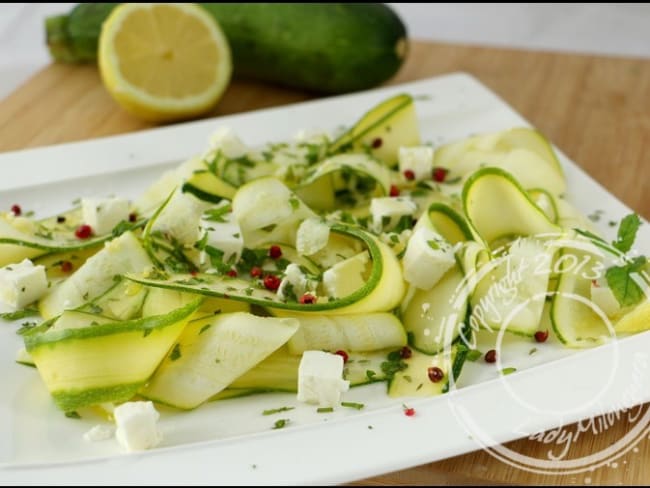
(418, 159)
(221, 231)
(22, 283)
(603, 297)
(312, 236)
(346, 276)
(428, 257)
(103, 214)
(226, 141)
(137, 427)
(99, 433)
(391, 209)
(294, 279)
(320, 378)
(181, 217)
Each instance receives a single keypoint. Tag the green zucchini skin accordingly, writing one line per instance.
(326, 48)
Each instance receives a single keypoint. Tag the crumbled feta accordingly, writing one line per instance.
(312, 236)
(226, 141)
(346, 276)
(181, 217)
(22, 283)
(418, 159)
(293, 279)
(99, 433)
(137, 427)
(221, 231)
(387, 211)
(103, 214)
(320, 378)
(603, 298)
(428, 257)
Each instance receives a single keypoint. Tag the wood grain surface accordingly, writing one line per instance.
(596, 109)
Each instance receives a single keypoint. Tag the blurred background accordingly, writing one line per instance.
(611, 29)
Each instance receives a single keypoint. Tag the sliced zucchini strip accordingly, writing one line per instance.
(357, 333)
(119, 256)
(351, 179)
(85, 359)
(499, 209)
(415, 380)
(434, 318)
(213, 352)
(382, 130)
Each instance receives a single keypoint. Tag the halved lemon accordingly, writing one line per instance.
(164, 62)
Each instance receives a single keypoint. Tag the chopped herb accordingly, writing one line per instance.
(405, 222)
(356, 406)
(217, 214)
(370, 374)
(279, 424)
(19, 314)
(433, 245)
(506, 371)
(122, 227)
(324, 410)
(294, 202)
(370, 427)
(176, 353)
(217, 360)
(419, 387)
(408, 378)
(94, 308)
(26, 327)
(249, 291)
(269, 228)
(627, 233)
(612, 223)
(72, 414)
(277, 410)
(394, 238)
(532, 351)
(394, 364)
(147, 332)
(473, 355)
(620, 280)
(204, 328)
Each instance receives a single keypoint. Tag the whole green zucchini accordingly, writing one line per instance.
(328, 48)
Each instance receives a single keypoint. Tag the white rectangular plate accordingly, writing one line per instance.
(231, 442)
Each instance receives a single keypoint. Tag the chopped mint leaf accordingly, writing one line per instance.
(94, 308)
(324, 410)
(433, 245)
(627, 233)
(217, 214)
(277, 410)
(25, 327)
(294, 202)
(506, 371)
(532, 351)
(624, 288)
(356, 406)
(279, 424)
(122, 227)
(204, 328)
(72, 415)
(19, 314)
(176, 353)
(473, 355)
(370, 374)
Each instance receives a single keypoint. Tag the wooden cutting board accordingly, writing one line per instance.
(596, 109)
